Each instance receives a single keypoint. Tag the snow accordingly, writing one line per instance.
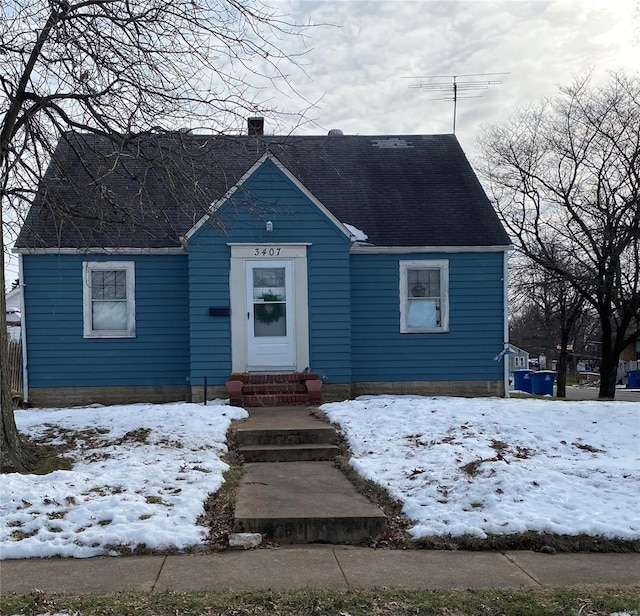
(473, 466)
(499, 466)
(359, 235)
(128, 487)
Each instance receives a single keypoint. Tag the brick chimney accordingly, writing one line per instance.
(255, 126)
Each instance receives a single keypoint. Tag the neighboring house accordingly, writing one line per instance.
(14, 298)
(518, 358)
(631, 352)
(13, 321)
(376, 262)
(629, 360)
(13, 316)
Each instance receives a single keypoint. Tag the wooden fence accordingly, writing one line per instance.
(15, 366)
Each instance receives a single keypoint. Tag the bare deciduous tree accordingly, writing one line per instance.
(565, 178)
(124, 70)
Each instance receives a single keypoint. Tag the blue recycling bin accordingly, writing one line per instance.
(522, 380)
(633, 379)
(542, 382)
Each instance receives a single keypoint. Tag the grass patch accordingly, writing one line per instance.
(587, 447)
(589, 601)
(49, 459)
(19, 535)
(141, 435)
(56, 515)
(154, 499)
(538, 542)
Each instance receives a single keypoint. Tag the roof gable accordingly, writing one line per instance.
(266, 158)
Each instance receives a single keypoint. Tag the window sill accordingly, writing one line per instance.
(107, 335)
(425, 331)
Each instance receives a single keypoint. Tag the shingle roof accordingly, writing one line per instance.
(404, 190)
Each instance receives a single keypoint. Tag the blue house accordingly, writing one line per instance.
(157, 265)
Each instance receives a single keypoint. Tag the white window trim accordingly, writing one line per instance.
(92, 266)
(443, 266)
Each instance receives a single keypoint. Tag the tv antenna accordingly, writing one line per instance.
(455, 87)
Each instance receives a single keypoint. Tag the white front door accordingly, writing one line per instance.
(271, 319)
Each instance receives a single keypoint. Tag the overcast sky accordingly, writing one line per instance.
(360, 67)
(357, 68)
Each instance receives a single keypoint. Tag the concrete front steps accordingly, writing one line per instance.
(285, 435)
(291, 490)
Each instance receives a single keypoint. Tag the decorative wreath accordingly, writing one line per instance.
(269, 313)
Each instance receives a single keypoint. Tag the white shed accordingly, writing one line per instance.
(518, 358)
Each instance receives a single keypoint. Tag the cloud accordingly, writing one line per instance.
(358, 66)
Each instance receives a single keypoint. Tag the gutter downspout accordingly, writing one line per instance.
(23, 332)
(505, 283)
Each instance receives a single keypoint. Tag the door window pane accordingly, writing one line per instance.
(269, 284)
(269, 302)
(270, 319)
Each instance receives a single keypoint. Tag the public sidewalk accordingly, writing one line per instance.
(322, 566)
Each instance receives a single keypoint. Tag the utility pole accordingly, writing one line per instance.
(454, 87)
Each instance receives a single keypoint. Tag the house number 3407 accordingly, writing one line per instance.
(267, 252)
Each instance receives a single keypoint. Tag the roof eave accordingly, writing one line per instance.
(359, 249)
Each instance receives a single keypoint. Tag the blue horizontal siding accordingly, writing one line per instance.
(476, 312)
(269, 195)
(59, 356)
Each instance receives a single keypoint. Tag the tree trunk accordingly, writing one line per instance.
(608, 362)
(563, 364)
(15, 454)
(608, 377)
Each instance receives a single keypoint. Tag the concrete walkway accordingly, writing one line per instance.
(300, 501)
(328, 567)
(305, 502)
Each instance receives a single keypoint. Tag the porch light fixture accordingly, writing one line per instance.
(269, 226)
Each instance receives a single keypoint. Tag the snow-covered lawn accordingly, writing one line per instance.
(141, 475)
(461, 466)
(493, 466)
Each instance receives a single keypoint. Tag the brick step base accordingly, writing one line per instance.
(289, 389)
(274, 399)
(273, 388)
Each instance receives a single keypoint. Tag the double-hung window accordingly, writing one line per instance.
(424, 296)
(109, 299)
